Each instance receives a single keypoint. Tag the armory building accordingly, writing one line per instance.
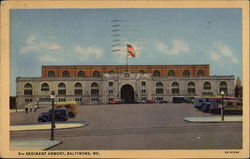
(96, 84)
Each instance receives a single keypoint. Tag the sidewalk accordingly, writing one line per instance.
(214, 119)
(16, 110)
(33, 144)
(47, 125)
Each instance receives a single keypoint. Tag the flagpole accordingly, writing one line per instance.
(126, 59)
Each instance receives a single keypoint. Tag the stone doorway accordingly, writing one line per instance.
(127, 93)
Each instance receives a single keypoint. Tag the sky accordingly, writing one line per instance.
(168, 36)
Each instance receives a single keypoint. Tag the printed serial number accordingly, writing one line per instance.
(232, 151)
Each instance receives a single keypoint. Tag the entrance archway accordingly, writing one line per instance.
(127, 93)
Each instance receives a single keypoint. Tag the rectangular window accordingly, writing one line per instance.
(94, 99)
(78, 92)
(61, 99)
(44, 89)
(143, 91)
(78, 99)
(175, 91)
(159, 91)
(61, 92)
(159, 98)
(27, 92)
(191, 90)
(143, 83)
(110, 91)
(110, 99)
(110, 83)
(28, 100)
(94, 92)
(143, 98)
(207, 93)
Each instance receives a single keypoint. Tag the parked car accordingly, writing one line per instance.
(148, 101)
(232, 106)
(162, 101)
(117, 101)
(61, 114)
(71, 106)
(178, 99)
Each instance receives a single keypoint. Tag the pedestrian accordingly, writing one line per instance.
(26, 110)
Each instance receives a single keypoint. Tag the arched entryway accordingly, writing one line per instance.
(127, 93)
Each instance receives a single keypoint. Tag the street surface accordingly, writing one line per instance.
(136, 127)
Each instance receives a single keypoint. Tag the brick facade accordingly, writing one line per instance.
(89, 69)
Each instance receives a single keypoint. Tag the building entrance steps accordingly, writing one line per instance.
(47, 125)
(33, 144)
(214, 119)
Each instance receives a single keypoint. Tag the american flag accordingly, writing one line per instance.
(131, 50)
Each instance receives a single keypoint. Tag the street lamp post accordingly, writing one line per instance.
(16, 103)
(52, 96)
(222, 106)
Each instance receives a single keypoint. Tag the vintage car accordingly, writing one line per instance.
(61, 114)
(117, 101)
(71, 106)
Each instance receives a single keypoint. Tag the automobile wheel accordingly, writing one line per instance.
(71, 115)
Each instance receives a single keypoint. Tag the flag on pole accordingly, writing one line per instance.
(131, 50)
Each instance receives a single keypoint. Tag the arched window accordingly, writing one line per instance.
(175, 88)
(27, 85)
(51, 74)
(78, 88)
(141, 71)
(65, 74)
(94, 89)
(96, 74)
(61, 89)
(159, 84)
(156, 73)
(191, 88)
(111, 72)
(186, 73)
(27, 89)
(159, 88)
(207, 86)
(81, 74)
(223, 87)
(45, 87)
(200, 73)
(171, 73)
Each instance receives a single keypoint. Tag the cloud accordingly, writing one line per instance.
(33, 45)
(31, 39)
(47, 58)
(85, 53)
(221, 52)
(178, 47)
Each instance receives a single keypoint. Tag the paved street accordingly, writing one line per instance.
(137, 126)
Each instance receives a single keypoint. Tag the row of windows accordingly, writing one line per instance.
(45, 86)
(62, 88)
(156, 73)
(95, 88)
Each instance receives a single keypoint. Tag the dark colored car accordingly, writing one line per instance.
(178, 99)
(162, 101)
(61, 114)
